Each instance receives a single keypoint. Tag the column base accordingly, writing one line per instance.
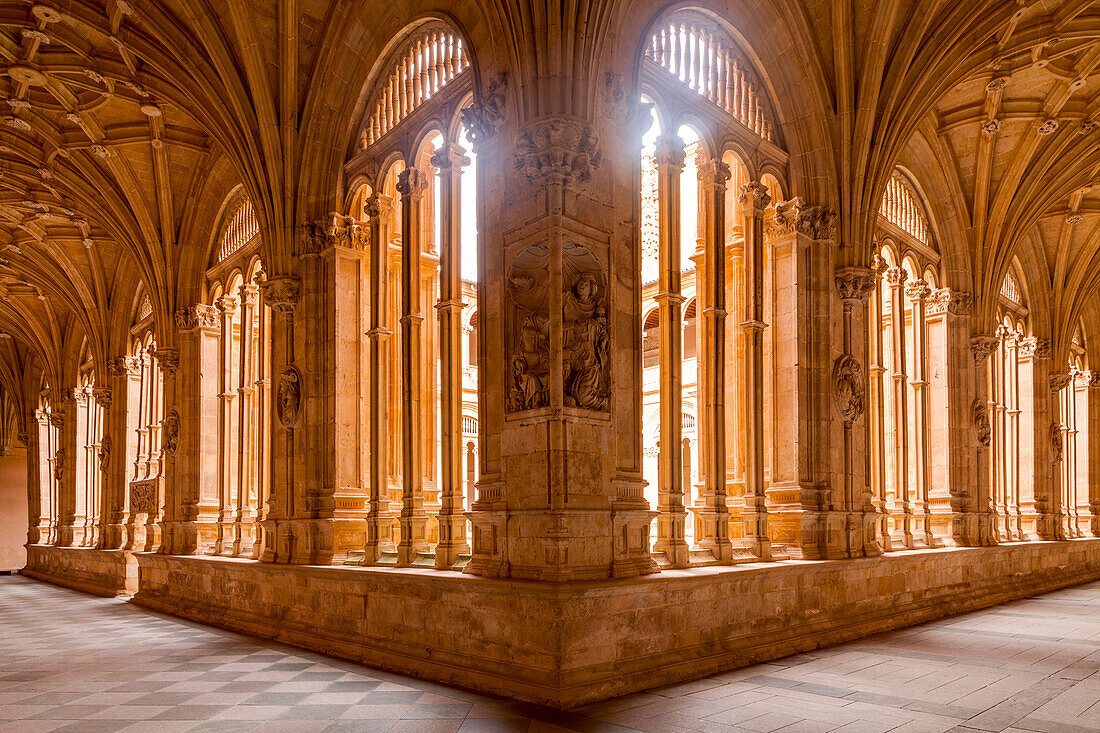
(452, 543)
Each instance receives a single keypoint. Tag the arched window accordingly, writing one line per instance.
(240, 229)
(901, 207)
(703, 89)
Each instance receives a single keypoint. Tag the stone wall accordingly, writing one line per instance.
(102, 572)
(570, 644)
(13, 509)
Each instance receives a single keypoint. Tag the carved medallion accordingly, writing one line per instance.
(527, 285)
(586, 360)
(848, 388)
(288, 397)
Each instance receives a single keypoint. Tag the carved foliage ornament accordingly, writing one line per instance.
(169, 360)
(482, 119)
(982, 427)
(337, 231)
(816, 222)
(557, 150)
(288, 396)
(1059, 380)
(171, 433)
(195, 317)
(848, 388)
(102, 397)
(282, 293)
(854, 283)
(982, 346)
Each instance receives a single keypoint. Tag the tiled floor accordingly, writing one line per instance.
(73, 662)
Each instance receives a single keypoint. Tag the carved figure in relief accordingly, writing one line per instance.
(171, 429)
(848, 390)
(527, 285)
(981, 422)
(584, 319)
(105, 453)
(59, 464)
(289, 396)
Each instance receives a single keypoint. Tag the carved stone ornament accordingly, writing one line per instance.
(1056, 441)
(59, 465)
(482, 119)
(557, 150)
(992, 127)
(587, 345)
(105, 453)
(143, 497)
(895, 277)
(168, 359)
(195, 317)
(57, 420)
(527, 284)
(1049, 127)
(1087, 127)
(1035, 348)
(411, 182)
(336, 231)
(755, 194)
(917, 290)
(116, 366)
(1094, 378)
(170, 430)
(288, 396)
(1074, 219)
(982, 427)
(960, 304)
(854, 283)
(449, 155)
(1059, 381)
(793, 215)
(102, 397)
(713, 174)
(848, 388)
(982, 347)
(996, 84)
(282, 293)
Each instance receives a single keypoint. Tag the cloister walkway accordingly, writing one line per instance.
(70, 661)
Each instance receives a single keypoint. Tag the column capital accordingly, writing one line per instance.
(482, 118)
(669, 150)
(282, 293)
(982, 347)
(124, 365)
(227, 304)
(411, 183)
(336, 230)
(449, 155)
(557, 150)
(896, 276)
(195, 317)
(854, 283)
(917, 291)
(1059, 381)
(754, 193)
(248, 295)
(102, 397)
(1035, 348)
(713, 174)
(794, 215)
(168, 359)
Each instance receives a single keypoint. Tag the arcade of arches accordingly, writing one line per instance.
(554, 349)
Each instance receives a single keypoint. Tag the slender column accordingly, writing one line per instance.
(876, 413)
(672, 516)
(449, 160)
(40, 480)
(227, 306)
(1061, 417)
(1093, 431)
(78, 457)
(918, 292)
(411, 185)
(379, 518)
(243, 516)
(101, 461)
(754, 200)
(1012, 437)
(164, 442)
(64, 417)
(711, 286)
(263, 421)
(903, 535)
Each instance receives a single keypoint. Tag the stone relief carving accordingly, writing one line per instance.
(1035, 348)
(198, 316)
(982, 346)
(170, 440)
(143, 497)
(338, 231)
(1056, 441)
(586, 359)
(527, 285)
(557, 148)
(982, 426)
(1059, 380)
(104, 452)
(102, 397)
(59, 465)
(169, 360)
(848, 388)
(992, 127)
(483, 118)
(288, 397)
(282, 293)
(793, 215)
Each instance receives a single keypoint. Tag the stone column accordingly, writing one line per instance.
(243, 514)
(918, 292)
(115, 458)
(711, 302)
(81, 477)
(39, 479)
(1093, 429)
(379, 535)
(982, 531)
(102, 463)
(903, 530)
(998, 414)
(227, 307)
(64, 468)
(411, 184)
(164, 445)
(754, 200)
(282, 539)
(1062, 453)
(877, 406)
(853, 284)
(449, 161)
(1014, 527)
(672, 515)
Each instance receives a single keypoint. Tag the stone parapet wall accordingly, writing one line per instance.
(568, 644)
(102, 572)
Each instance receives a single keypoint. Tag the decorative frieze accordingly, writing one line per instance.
(557, 150)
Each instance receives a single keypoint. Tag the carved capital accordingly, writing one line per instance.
(195, 317)
(713, 174)
(226, 304)
(168, 359)
(982, 347)
(1093, 376)
(557, 150)
(282, 293)
(102, 397)
(917, 290)
(668, 150)
(1035, 348)
(960, 304)
(411, 183)
(895, 277)
(481, 119)
(854, 283)
(754, 194)
(449, 155)
(815, 222)
(1059, 381)
(335, 231)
